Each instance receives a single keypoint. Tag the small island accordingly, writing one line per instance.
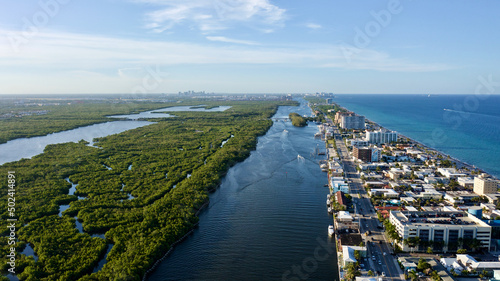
(297, 120)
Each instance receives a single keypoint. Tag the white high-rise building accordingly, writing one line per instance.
(381, 136)
(352, 122)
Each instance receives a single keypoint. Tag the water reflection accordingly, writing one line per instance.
(158, 113)
(17, 149)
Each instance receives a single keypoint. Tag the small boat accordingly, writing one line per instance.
(330, 230)
(330, 210)
(285, 131)
(328, 202)
(328, 196)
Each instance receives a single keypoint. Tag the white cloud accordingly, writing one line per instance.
(229, 40)
(87, 63)
(62, 51)
(313, 26)
(129, 71)
(212, 15)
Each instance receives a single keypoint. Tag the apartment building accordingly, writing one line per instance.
(485, 185)
(381, 136)
(446, 230)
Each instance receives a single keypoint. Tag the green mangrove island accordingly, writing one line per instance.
(297, 120)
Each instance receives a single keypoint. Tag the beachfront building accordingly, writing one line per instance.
(381, 136)
(450, 173)
(349, 120)
(484, 185)
(448, 231)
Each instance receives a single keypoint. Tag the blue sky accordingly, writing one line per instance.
(248, 46)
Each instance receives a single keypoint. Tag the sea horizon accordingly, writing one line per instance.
(461, 126)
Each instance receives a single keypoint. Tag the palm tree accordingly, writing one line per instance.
(413, 275)
(351, 272)
(475, 244)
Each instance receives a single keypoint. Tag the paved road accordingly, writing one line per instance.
(376, 243)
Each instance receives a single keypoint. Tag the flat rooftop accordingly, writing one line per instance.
(441, 218)
(350, 239)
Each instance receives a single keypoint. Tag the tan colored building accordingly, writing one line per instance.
(484, 185)
(362, 153)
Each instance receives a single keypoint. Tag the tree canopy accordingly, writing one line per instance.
(174, 163)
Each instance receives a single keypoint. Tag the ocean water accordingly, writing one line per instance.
(466, 127)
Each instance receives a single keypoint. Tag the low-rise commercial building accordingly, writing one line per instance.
(446, 229)
(389, 193)
(450, 173)
(466, 182)
(460, 197)
(339, 184)
(469, 263)
(348, 255)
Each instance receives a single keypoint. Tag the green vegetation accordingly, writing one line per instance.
(351, 271)
(314, 99)
(297, 120)
(66, 117)
(167, 200)
(423, 264)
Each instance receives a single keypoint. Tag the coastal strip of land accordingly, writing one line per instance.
(404, 210)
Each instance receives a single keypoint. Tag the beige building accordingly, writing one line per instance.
(484, 185)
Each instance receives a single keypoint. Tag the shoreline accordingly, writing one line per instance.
(460, 163)
(172, 247)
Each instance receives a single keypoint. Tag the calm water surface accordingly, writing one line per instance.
(17, 149)
(463, 126)
(268, 216)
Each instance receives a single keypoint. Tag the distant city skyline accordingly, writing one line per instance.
(248, 46)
